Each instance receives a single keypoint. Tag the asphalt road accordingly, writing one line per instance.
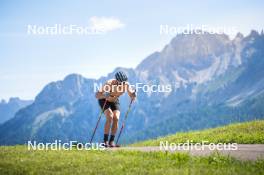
(243, 151)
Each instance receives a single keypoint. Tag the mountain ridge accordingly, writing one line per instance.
(67, 109)
(10, 107)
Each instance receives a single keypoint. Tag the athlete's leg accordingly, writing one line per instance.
(109, 118)
(116, 114)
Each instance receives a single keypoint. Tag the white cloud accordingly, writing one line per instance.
(105, 24)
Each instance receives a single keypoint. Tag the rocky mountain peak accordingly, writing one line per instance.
(66, 90)
(254, 33)
(189, 58)
(239, 35)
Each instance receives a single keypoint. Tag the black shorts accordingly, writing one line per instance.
(112, 105)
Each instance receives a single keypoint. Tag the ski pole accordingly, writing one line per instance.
(100, 115)
(123, 124)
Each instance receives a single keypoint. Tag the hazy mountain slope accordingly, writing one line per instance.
(8, 109)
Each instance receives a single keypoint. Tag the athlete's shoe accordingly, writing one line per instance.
(106, 144)
(112, 144)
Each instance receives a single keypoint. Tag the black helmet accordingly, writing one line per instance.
(121, 76)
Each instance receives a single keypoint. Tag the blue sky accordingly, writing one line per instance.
(29, 62)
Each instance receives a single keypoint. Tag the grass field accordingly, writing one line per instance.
(19, 160)
(247, 133)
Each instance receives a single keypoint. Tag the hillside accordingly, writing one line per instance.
(244, 133)
(18, 160)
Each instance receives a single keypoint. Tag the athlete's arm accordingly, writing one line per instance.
(130, 91)
(104, 92)
(101, 93)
